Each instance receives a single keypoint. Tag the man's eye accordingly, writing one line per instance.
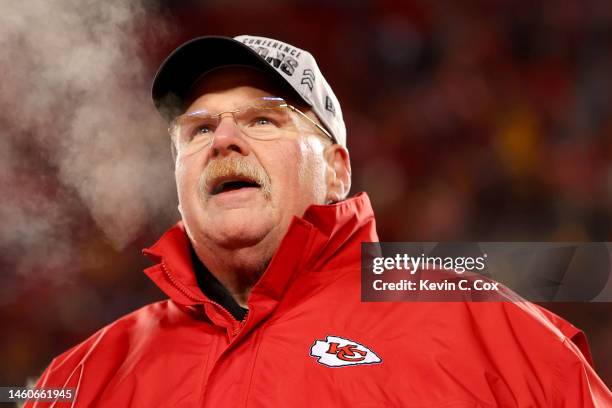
(262, 121)
(203, 129)
(196, 132)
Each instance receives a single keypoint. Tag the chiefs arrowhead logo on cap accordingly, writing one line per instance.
(337, 351)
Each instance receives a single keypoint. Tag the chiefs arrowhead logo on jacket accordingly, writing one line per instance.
(337, 351)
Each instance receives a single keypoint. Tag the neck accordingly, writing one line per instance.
(237, 269)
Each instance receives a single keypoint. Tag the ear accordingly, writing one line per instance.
(338, 173)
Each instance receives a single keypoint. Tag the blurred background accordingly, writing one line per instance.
(484, 121)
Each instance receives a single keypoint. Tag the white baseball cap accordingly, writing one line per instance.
(284, 62)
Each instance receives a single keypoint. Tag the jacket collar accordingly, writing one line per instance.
(314, 241)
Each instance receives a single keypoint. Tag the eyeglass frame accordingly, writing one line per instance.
(282, 105)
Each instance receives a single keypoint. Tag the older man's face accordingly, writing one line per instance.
(289, 171)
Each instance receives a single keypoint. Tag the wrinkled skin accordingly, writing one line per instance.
(236, 233)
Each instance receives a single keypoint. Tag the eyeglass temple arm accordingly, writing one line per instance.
(321, 128)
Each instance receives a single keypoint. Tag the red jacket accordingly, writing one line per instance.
(308, 341)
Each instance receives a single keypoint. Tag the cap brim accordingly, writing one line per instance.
(185, 65)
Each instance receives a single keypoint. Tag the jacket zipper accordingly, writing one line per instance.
(196, 298)
(241, 324)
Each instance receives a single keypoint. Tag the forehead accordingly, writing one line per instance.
(231, 86)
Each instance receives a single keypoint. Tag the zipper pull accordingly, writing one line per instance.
(240, 325)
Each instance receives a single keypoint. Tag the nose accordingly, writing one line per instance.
(229, 138)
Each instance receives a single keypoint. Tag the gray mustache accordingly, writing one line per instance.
(234, 167)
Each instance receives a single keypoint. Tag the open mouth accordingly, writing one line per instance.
(232, 184)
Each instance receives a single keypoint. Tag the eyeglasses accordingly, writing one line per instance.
(265, 118)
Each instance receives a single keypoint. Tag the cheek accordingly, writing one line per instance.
(311, 171)
(313, 160)
(187, 176)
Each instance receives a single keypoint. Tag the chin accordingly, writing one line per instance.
(239, 229)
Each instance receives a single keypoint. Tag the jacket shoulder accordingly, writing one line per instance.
(113, 340)
(539, 345)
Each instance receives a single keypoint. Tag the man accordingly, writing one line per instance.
(263, 272)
